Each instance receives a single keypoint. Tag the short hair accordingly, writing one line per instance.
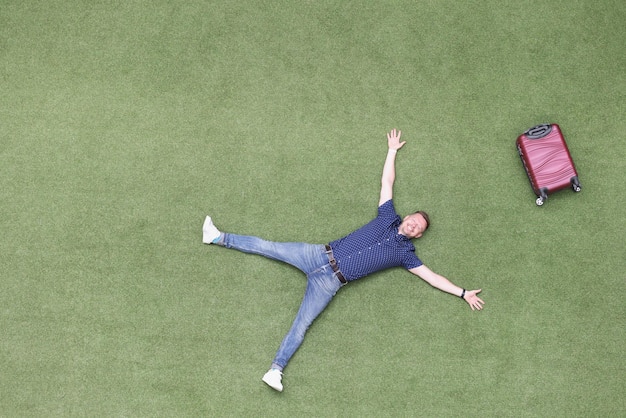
(426, 218)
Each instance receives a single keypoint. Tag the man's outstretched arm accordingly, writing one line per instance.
(443, 284)
(389, 170)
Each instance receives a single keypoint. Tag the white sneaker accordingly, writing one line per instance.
(209, 232)
(274, 379)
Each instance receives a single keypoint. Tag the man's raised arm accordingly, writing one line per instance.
(389, 170)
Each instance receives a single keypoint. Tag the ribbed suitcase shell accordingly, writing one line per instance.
(547, 161)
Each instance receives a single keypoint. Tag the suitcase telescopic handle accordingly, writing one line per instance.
(538, 131)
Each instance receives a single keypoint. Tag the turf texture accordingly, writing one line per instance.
(122, 124)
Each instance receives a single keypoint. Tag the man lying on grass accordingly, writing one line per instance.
(383, 243)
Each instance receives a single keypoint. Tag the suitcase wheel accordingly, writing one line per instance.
(543, 195)
(575, 184)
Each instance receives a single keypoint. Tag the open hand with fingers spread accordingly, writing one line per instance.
(393, 139)
(471, 297)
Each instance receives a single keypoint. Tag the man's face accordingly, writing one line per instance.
(413, 226)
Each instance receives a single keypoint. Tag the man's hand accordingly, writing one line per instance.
(473, 300)
(393, 140)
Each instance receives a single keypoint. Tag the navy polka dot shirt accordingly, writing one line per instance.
(375, 246)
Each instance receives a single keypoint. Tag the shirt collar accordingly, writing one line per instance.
(396, 228)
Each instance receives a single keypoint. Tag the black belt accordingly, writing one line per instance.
(333, 264)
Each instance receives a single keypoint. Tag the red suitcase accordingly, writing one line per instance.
(547, 161)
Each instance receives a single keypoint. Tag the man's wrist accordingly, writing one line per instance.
(393, 150)
(463, 294)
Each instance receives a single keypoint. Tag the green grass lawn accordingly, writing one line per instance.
(122, 124)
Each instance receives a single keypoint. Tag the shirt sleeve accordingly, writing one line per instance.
(387, 210)
(412, 261)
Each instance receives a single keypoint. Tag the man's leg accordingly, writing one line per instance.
(322, 285)
(306, 257)
(303, 256)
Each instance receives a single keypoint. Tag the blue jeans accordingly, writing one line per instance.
(322, 283)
